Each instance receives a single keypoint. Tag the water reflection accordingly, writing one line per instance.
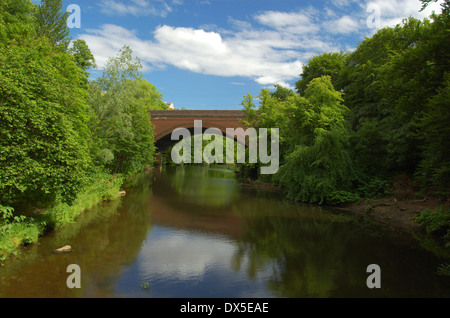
(194, 232)
(202, 187)
(317, 253)
(104, 240)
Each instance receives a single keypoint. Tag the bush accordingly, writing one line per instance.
(340, 197)
(103, 187)
(16, 231)
(436, 222)
(375, 188)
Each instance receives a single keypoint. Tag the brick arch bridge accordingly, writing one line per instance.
(166, 121)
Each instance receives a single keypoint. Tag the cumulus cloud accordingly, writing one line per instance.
(269, 48)
(343, 25)
(198, 255)
(291, 22)
(199, 51)
(137, 7)
(391, 13)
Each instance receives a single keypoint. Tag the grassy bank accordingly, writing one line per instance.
(18, 230)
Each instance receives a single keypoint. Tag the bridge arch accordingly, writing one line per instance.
(166, 121)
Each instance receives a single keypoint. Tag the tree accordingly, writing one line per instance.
(445, 5)
(83, 57)
(329, 63)
(120, 120)
(282, 93)
(52, 23)
(315, 162)
(82, 54)
(318, 163)
(434, 169)
(147, 95)
(15, 20)
(44, 138)
(390, 77)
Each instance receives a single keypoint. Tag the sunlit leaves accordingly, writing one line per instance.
(120, 100)
(43, 131)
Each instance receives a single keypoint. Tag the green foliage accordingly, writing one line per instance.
(443, 269)
(82, 54)
(314, 156)
(436, 222)
(6, 212)
(313, 172)
(325, 64)
(434, 169)
(318, 163)
(395, 87)
(52, 23)
(15, 231)
(16, 234)
(100, 187)
(145, 286)
(16, 18)
(368, 143)
(120, 100)
(83, 57)
(146, 94)
(210, 143)
(339, 197)
(373, 188)
(43, 129)
(54, 147)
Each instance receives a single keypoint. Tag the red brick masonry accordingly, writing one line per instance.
(165, 121)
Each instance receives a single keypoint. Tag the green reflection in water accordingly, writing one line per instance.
(201, 186)
(294, 250)
(319, 253)
(103, 240)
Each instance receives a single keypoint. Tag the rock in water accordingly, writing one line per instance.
(64, 249)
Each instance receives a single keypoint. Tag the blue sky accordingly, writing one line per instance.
(208, 54)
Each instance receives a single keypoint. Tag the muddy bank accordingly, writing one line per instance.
(390, 211)
(394, 213)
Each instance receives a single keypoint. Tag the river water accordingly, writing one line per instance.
(196, 232)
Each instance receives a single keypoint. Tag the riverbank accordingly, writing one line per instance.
(399, 214)
(390, 211)
(18, 230)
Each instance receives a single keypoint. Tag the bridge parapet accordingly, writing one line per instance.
(166, 121)
(198, 114)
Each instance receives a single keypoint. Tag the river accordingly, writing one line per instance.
(196, 232)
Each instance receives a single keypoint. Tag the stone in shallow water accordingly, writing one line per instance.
(64, 249)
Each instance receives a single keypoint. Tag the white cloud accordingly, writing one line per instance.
(198, 254)
(343, 3)
(191, 40)
(269, 48)
(199, 51)
(294, 23)
(343, 25)
(137, 7)
(269, 81)
(392, 12)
